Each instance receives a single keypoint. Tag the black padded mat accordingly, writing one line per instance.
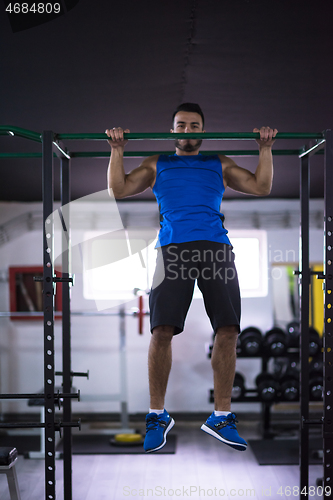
(284, 451)
(97, 444)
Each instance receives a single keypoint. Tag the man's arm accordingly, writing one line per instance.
(137, 181)
(259, 183)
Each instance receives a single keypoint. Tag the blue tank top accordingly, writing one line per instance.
(189, 191)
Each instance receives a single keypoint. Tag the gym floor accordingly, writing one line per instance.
(200, 463)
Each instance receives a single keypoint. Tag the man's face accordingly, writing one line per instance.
(186, 121)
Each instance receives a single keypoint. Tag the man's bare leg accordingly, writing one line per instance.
(224, 365)
(158, 421)
(223, 425)
(159, 364)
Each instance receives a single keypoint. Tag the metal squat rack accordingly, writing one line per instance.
(52, 143)
(304, 282)
(49, 282)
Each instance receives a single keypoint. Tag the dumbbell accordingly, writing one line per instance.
(317, 365)
(276, 342)
(316, 384)
(288, 372)
(268, 387)
(293, 333)
(316, 380)
(314, 339)
(314, 342)
(250, 341)
(289, 385)
(238, 387)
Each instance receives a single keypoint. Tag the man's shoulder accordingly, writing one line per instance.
(152, 157)
(225, 160)
(150, 160)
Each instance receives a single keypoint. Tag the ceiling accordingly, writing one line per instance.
(102, 64)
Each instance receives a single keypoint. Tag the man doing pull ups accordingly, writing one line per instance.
(192, 245)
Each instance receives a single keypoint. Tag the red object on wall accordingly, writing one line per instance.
(25, 294)
(141, 314)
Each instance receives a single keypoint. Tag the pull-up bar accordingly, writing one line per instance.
(188, 135)
(35, 136)
(20, 132)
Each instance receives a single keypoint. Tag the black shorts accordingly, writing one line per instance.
(177, 268)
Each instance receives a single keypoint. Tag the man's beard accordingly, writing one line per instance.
(188, 147)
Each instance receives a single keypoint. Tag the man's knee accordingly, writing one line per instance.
(163, 332)
(229, 331)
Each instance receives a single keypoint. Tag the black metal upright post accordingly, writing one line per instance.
(304, 283)
(66, 326)
(328, 327)
(48, 296)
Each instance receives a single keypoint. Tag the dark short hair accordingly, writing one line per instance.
(191, 107)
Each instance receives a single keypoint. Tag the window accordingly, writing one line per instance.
(250, 249)
(132, 265)
(134, 261)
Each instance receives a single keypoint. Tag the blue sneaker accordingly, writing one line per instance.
(157, 428)
(224, 429)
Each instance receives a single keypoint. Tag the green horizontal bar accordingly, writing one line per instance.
(197, 135)
(29, 134)
(21, 155)
(143, 154)
(20, 132)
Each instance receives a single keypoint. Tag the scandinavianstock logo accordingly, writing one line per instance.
(101, 246)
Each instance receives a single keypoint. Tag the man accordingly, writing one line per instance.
(193, 244)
